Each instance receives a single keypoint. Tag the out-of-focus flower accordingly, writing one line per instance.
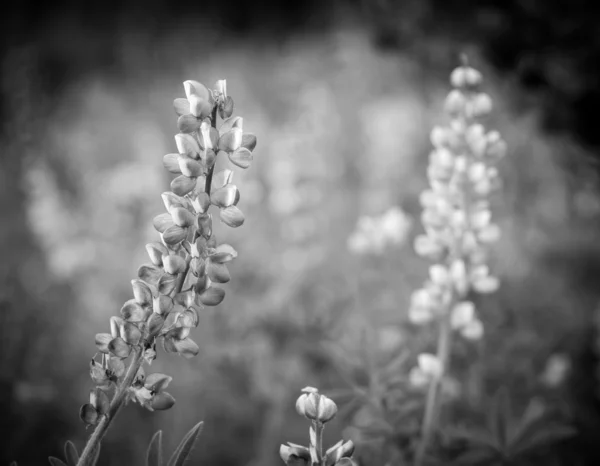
(374, 234)
(456, 209)
(428, 367)
(556, 370)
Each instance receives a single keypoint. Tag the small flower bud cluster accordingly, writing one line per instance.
(456, 209)
(374, 234)
(170, 292)
(319, 409)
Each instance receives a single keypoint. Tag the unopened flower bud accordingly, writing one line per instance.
(455, 102)
(482, 105)
(473, 330)
(315, 406)
(457, 77)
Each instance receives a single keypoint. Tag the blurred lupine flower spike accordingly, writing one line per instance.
(319, 409)
(458, 231)
(456, 209)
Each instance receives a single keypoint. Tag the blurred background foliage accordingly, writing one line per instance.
(342, 96)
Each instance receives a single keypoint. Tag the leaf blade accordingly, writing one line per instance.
(184, 448)
(154, 453)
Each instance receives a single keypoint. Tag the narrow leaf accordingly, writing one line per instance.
(185, 447)
(71, 453)
(154, 453)
(56, 462)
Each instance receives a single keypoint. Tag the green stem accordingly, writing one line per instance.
(318, 446)
(432, 405)
(209, 176)
(88, 455)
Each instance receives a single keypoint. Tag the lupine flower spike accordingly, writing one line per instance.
(185, 264)
(319, 410)
(458, 228)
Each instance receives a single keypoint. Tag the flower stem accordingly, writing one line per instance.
(317, 443)
(88, 455)
(209, 176)
(432, 405)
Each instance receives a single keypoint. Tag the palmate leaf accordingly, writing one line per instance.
(185, 447)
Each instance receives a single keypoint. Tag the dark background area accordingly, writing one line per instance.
(542, 62)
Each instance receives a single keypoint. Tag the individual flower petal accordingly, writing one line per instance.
(88, 414)
(157, 382)
(155, 324)
(188, 145)
(141, 292)
(241, 157)
(162, 221)
(225, 196)
(201, 203)
(167, 283)
(182, 106)
(188, 123)
(162, 401)
(196, 88)
(327, 409)
(183, 185)
(226, 108)
(174, 264)
(223, 253)
(218, 273)
(294, 455)
(171, 200)
(188, 166)
(221, 178)
(99, 400)
(119, 347)
(162, 304)
(204, 222)
(232, 216)
(186, 347)
(212, 296)
(171, 163)
(130, 333)
(174, 235)
(249, 141)
(231, 140)
(156, 251)
(229, 124)
(102, 341)
(133, 312)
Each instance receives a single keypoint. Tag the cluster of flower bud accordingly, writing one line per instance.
(319, 409)
(314, 406)
(374, 234)
(456, 209)
(170, 291)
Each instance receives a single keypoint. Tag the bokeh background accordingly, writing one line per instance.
(342, 95)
